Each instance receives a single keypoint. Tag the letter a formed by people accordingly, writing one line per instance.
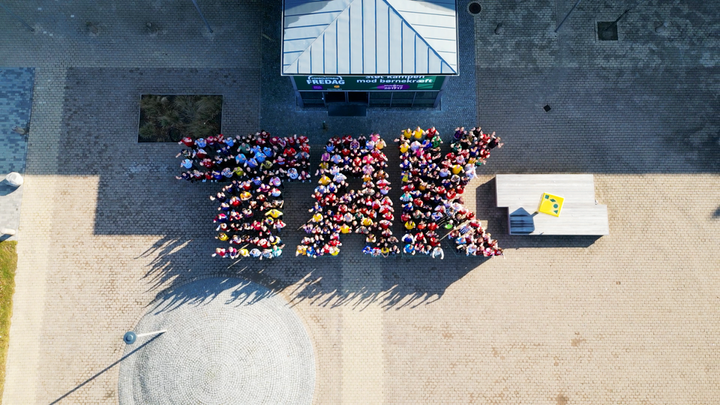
(339, 210)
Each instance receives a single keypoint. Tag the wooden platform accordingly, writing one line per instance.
(580, 214)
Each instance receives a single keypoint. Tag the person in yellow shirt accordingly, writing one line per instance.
(274, 213)
(379, 142)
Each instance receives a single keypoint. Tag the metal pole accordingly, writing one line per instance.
(17, 18)
(131, 337)
(157, 332)
(202, 16)
(566, 17)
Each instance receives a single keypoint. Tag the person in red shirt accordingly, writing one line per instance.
(187, 141)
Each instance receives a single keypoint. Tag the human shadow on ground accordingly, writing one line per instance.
(350, 279)
(197, 292)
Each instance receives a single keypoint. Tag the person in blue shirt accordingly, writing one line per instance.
(409, 249)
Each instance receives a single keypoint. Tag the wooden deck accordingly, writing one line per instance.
(580, 214)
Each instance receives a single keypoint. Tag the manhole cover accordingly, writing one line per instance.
(547, 108)
(474, 8)
(607, 31)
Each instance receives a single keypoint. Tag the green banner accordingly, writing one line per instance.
(388, 83)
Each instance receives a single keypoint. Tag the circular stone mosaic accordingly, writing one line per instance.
(228, 341)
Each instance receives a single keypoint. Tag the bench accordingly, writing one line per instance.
(580, 214)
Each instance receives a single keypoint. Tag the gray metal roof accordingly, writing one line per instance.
(386, 37)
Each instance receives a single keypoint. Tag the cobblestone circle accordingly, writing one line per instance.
(237, 345)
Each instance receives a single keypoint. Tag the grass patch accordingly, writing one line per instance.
(169, 118)
(8, 264)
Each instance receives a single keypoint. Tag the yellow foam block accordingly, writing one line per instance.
(551, 204)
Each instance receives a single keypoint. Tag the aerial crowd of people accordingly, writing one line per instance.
(433, 185)
(339, 210)
(254, 168)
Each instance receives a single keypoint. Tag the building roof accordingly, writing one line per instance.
(391, 37)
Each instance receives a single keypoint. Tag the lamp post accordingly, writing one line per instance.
(130, 337)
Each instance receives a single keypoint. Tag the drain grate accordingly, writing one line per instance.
(547, 108)
(607, 30)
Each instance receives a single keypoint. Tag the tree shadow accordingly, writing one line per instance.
(98, 374)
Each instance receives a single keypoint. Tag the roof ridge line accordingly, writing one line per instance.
(418, 34)
(322, 33)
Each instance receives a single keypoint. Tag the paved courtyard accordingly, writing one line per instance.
(106, 232)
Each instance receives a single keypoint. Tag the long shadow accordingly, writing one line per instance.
(104, 370)
(196, 293)
(6, 188)
(351, 278)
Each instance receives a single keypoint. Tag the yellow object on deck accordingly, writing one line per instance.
(551, 204)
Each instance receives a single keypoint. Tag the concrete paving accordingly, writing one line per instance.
(629, 318)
